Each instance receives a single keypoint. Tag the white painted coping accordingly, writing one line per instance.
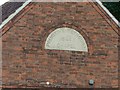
(14, 14)
(28, 1)
(108, 12)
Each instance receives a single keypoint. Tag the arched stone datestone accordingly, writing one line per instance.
(66, 39)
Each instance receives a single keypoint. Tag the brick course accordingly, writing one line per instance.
(27, 64)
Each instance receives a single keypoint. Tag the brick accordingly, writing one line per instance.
(26, 59)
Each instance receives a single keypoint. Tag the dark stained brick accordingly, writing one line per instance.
(27, 63)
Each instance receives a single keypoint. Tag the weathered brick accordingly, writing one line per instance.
(26, 63)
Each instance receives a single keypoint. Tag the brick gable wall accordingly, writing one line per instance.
(27, 64)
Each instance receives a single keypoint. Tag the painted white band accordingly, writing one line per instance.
(28, 1)
(14, 14)
(107, 11)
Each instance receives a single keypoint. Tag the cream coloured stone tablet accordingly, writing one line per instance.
(66, 39)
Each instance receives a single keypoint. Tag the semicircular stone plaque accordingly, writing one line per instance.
(66, 39)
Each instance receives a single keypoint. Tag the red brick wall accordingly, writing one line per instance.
(27, 63)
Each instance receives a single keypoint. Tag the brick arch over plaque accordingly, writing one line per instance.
(66, 39)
